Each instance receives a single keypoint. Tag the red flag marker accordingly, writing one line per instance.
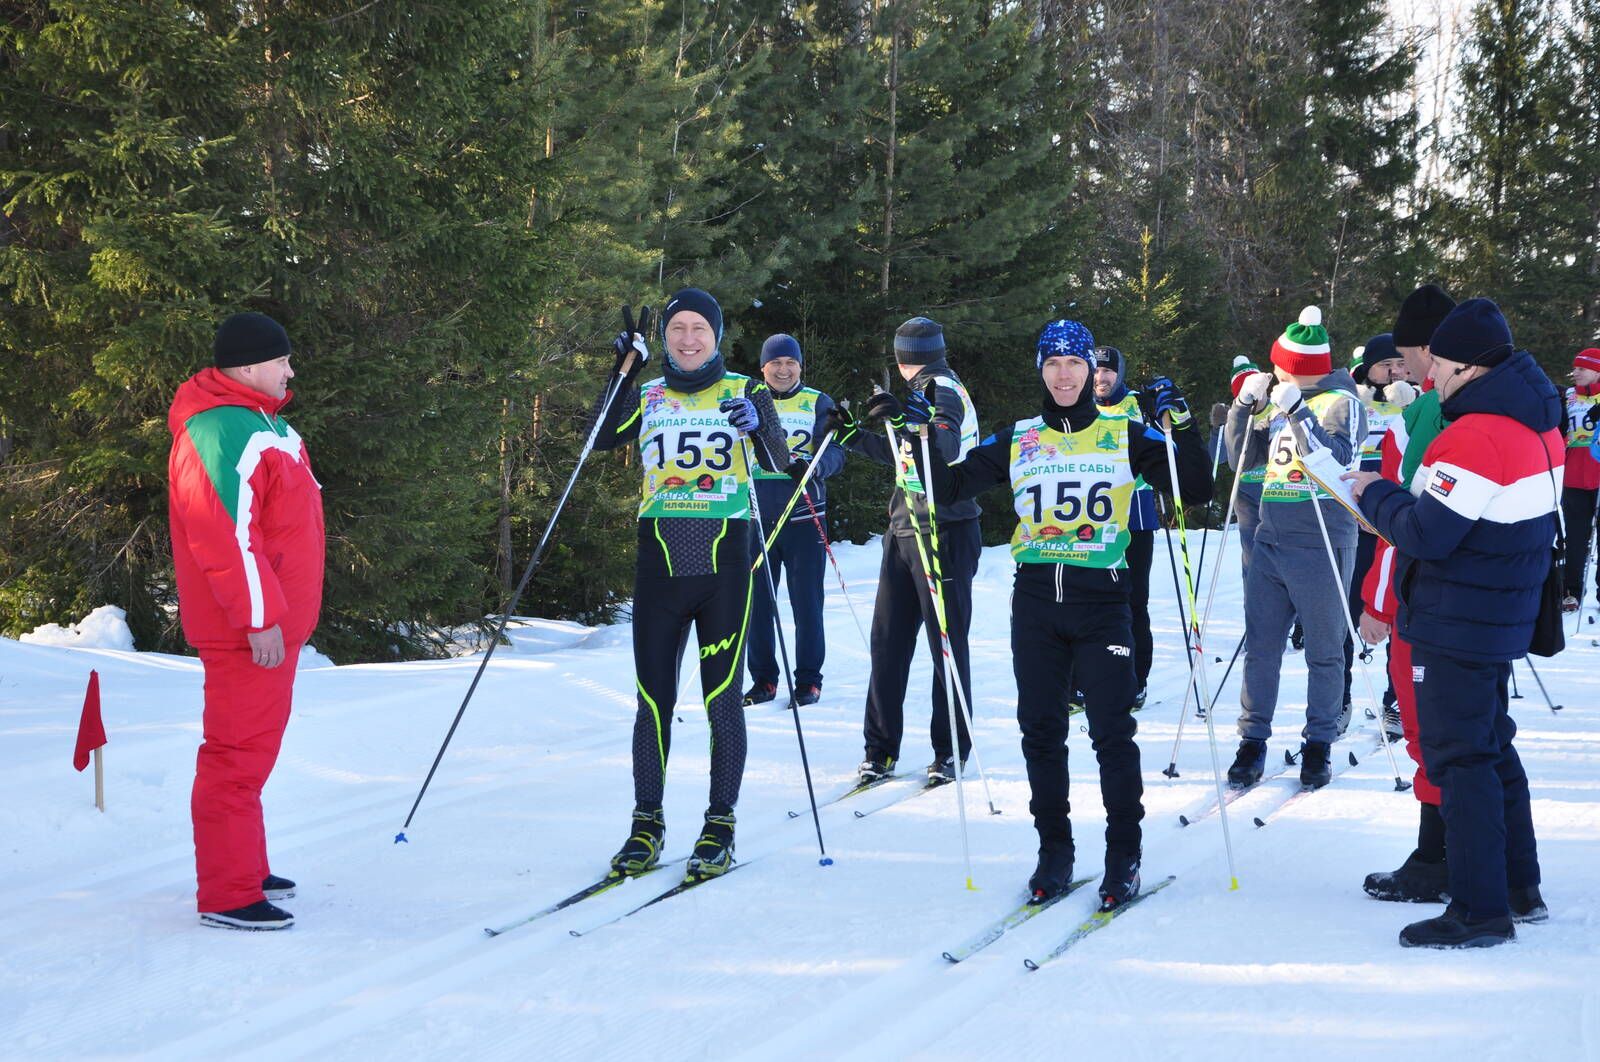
(91, 736)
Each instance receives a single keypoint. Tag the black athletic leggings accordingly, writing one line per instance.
(664, 608)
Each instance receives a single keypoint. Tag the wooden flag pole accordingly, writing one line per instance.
(99, 782)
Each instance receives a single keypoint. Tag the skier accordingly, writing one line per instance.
(248, 549)
(694, 560)
(1289, 567)
(1474, 540)
(1382, 381)
(800, 547)
(903, 603)
(1112, 395)
(1072, 472)
(1583, 473)
(1422, 877)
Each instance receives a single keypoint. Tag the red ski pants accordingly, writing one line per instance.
(247, 709)
(1405, 692)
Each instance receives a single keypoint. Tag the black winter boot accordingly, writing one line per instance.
(713, 852)
(1248, 764)
(760, 693)
(1121, 882)
(642, 849)
(1453, 930)
(1417, 881)
(1315, 770)
(258, 916)
(1528, 906)
(1053, 872)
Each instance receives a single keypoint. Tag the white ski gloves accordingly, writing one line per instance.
(1401, 393)
(1254, 391)
(1286, 396)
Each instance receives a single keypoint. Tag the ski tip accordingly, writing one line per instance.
(490, 932)
(860, 814)
(1260, 821)
(1030, 964)
(400, 838)
(1353, 761)
(950, 958)
(825, 861)
(1183, 820)
(574, 933)
(794, 814)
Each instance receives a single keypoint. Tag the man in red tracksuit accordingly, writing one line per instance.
(247, 545)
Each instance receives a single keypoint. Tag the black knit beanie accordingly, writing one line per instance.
(1420, 314)
(698, 301)
(248, 339)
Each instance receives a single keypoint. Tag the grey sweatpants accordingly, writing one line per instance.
(1286, 581)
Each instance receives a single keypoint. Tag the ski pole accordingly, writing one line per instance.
(1183, 620)
(783, 649)
(1205, 623)
(1199, 649)
(950, 657)
(799, 492)
(1516, 694)
(822, 533)
(1365, 652)
(1583, 582)
(612, 390)
(937, 601)
(1552, 706)
(1211, 505)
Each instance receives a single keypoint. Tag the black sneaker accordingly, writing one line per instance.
(1121, 882)
(1315, 770)
(808, 694)
(1453, 930)
(760, 693)
(873, 770)
(1138, 698)
(943, 772)
(713, 852)
(642, 850)
(1528, 906)
(1052, 873)
(277, 888)
(1417, 881)
(261, 915)
(1249, 764)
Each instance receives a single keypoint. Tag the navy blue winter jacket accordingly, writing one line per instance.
(1474, 543)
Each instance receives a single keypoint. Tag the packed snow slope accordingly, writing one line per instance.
(784, 958)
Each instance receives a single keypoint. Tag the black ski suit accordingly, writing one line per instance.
(1071, 625)
(691, 570)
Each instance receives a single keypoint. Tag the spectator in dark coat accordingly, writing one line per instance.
(1474, 545)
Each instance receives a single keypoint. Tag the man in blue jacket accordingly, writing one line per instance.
(800, 549)
(1474, 550)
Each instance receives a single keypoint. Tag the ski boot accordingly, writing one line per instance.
(760, 693)
(1453, 930)
(943, 771)
(1569, 604)
(641, 851)
(1121, 882)
(277, 888)
(1392, 730)
(1315, 770)
(713, 852)
(1139, 698)
(1053, 872)
(874, 770)
(1297, 637)
(1249, 764)
(1342, 724)
(1528, 906)
(810, 693)
(1416, 881)
(1075, 703)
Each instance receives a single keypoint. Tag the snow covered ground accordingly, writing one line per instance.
(102, 954)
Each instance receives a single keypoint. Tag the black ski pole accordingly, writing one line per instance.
(1516, 694)
(1183, 618)
(612, 390)
(1540, 681)
(783, 648)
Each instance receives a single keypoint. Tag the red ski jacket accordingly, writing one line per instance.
(245, 514)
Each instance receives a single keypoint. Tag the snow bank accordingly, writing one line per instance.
(104, 628)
